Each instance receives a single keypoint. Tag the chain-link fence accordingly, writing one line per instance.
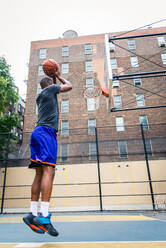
(103, 168)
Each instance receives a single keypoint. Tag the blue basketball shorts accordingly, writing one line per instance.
(43, 147)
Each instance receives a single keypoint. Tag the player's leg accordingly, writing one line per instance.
(47, 183)
(43, 219)
(46, 156)
(35, 194)
(36, 186)
(35, 190)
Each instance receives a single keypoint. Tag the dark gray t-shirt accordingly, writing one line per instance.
(48, 111)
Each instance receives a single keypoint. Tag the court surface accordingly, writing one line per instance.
(87, 230)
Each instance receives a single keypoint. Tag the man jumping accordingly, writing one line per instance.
(43, 148)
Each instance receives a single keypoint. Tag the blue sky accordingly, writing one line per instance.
(23, 21)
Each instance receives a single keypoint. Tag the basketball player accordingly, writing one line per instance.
(44, 153)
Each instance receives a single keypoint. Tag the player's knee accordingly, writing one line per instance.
(39, 173)
(49, 171)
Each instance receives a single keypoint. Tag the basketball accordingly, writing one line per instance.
(49, 67)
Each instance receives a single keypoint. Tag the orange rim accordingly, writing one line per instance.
(103, 91)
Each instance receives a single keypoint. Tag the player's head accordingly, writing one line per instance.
(46, 81)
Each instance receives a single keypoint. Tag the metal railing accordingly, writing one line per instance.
(100, 146)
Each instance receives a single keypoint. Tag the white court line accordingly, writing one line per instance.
(20, 245)
(79, 242)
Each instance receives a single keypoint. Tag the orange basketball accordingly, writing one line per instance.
(49, 67)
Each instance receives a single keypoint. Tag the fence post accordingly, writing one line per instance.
(98, 166)
(5, 173)
(147, 165)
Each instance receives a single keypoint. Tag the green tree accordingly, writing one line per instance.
(8, 96)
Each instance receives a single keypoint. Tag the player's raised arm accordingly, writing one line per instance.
(66, 85)
(52, 69)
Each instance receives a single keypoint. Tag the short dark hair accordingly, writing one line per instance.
(45, 82)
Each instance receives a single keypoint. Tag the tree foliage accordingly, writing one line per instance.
(8, 96)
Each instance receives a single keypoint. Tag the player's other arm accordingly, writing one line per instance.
(66, 85)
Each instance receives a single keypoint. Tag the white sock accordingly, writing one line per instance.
(34, 207)
(44, 207)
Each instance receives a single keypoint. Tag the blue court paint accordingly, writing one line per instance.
(87, 232)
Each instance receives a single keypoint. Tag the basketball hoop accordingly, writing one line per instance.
(95, 92)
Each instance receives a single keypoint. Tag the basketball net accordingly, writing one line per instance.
(93, 93)
(97, 101)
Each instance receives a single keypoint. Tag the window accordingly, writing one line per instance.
(19, 108)
(148, 147)
(113, 63)
(20, 138)
(134, 61)
(88, 48)
(91, 126)
(64, 106)
(15, 107)
(161, 41)
(40, 71)
(88, 66)
(119, 124)
(36, 109)
(115, 84)
(131, 44)
(144, 121)
(89, 82)
(92, 151)
(64, 152)
(23, 110)
(14, 130)
(137, 82)
(91, 104)
(65, 68)
(65, 51)
(43, 53)
(122, 149)
(21, 124)
(140, 100)
(163, 57)
(117, 102)
(65, 127)
(39, 89)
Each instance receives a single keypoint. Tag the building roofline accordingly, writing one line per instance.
(100, 34)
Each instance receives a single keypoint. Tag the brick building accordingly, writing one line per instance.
(83, 62)
(116, 147)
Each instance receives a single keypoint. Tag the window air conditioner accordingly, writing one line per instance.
(112, 47)
(162, 44)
